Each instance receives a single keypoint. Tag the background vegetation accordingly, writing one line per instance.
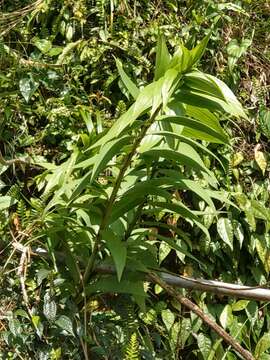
(66, 133)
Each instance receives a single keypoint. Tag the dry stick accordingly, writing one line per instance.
(12, 161)
(256, 293)
(21, 273)
(196, 310)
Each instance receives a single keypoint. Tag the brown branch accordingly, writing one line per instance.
(12, 161)
(196, 310)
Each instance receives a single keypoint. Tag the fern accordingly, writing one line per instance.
(14, 192)
(132, 350)
(22, 213)
(101, 12)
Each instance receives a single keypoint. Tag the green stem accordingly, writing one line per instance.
(125, 166)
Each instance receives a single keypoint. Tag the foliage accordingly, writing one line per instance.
(115, 160)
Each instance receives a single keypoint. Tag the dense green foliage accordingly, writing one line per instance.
(121, 145)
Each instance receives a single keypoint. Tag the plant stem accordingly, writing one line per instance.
(125, 166)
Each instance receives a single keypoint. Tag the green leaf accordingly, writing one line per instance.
(149, 98)
(14, 326)
(174, 245)
(162, 57)
(49, 307)
(200, 82)
(182, 60)
(6, 202)
(38, 325)
(175, 181)
(27, 88)
(22, 313)
(186, 155)
(262, 345)
(167, 318)
(263, 251)
(226, 317)
(106, 153)
(163, 252)
(240, 305)
(36, 320)
(197, 52)
(129, 84)
(118, 250)
(265, 357)
(238, 232)
(54, 51)
(112, 285)
(196, 129)
(65, 323)
(43, 45)
(236, 50)
(233, 105)
(170, 82)
(123, 206)
(261, 159)
(187, 140)
(225, 231)
(186, 329)
(204, 116)
(204, 344)
(209, 100)
(182, 210)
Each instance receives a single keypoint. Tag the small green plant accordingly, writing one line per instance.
(124, 166)
(107, 198)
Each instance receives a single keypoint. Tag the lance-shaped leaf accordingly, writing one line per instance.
(149, 98)
(262, 345)
(226, 317)
(189, 141)
(107, 152)
(195, 129)
(135, 196)
(118, 250)
(225, 231)
(199, 81)
(173, 245)
(186, 155)
(112, 285)
(183, 211)
(204, 116)
(129, 84)
(209, 92)
(162, 57)
(182, 60)
(234, 106)
(197, 52)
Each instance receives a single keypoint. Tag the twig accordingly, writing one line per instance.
(22, 273)
(12, 161)
(196, 310)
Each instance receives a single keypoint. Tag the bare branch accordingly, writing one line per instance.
(212, 286)
(196, 310)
